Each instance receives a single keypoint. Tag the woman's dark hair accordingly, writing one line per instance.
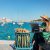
(43, 24)
(46, 20)
(35, 27)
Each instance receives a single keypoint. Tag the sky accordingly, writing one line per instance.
(24, 9)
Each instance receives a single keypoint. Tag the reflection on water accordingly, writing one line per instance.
(8, 30)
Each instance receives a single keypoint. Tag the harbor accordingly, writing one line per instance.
(21, 34)
(24, 24)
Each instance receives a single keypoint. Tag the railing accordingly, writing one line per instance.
(23, 41)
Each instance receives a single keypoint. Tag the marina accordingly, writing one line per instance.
(24, 24)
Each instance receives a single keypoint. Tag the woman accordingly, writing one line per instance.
(38, 39)
(45, 19)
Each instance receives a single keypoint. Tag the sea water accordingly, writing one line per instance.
(7, 30)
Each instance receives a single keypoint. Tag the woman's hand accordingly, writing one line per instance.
(33, 42)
